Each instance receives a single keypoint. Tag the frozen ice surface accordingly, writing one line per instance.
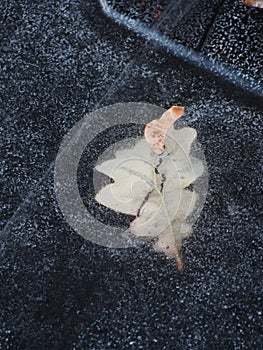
(58, 62)
(223, 37)
(237, 38)
(59, 291)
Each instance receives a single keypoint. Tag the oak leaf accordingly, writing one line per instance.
(151, 180)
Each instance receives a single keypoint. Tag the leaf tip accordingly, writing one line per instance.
(178, 111)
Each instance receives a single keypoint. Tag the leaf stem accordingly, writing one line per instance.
(175, 250)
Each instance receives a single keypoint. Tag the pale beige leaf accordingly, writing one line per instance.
(150, 183)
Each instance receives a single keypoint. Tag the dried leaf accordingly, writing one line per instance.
(150, 183)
